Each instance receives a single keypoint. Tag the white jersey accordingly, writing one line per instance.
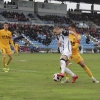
(65, 48)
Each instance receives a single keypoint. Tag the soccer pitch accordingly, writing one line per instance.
(30, 78)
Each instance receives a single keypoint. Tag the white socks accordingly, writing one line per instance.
(62, 64)
(64, 69)
(67, 70)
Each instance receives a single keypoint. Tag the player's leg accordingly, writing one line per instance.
(4, 62)
(3, 51)
(9, 60)
(87, 70)
(74, 76)
(69, 64)
(16, 51)
(80, 61)
(67, 52)
(9, 53)
(66, 74)
(67, 77)
(63, 62)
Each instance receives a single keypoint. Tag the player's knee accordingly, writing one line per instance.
(82, 65)
(10, 57)
(4, 55)
(64, 59)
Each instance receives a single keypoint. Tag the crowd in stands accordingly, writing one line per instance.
(14, 16)
(55, 19)
(34, 32)
(30, 15)
(10, 5)
(92, 31)
(95, 32)
(74, 10)
(93, 16)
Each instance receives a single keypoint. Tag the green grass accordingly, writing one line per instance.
(30, 78)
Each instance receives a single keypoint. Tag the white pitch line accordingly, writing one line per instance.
(17, 70)
(23, 70)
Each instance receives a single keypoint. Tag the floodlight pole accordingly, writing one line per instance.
(92, 7)
(78, 6)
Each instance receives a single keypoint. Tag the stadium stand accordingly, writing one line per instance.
(14, 16)
(2, 18)
(55, 19)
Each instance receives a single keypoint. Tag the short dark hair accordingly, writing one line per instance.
(72, 25)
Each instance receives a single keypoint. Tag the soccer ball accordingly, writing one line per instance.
(56, 77)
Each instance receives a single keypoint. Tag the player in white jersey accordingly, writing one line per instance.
(65, 47)
(65, 50)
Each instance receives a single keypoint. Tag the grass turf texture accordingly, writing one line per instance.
(30, 78)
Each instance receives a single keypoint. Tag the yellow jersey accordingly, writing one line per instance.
(74, 43)
(5, 38)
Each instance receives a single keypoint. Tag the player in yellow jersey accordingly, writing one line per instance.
(5, 40)
(16, 48)
(76, 55)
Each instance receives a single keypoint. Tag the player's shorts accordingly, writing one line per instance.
(67, 53)
(6, 51)
(77, 57)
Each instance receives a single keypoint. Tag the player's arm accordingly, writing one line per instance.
(78, 39)
(75, 46)
(58, 43)
(0, 34)
(11, 41)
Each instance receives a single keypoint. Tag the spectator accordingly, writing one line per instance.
(87, 40)
(31, 48)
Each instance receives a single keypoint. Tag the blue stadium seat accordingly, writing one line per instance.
(84, 44)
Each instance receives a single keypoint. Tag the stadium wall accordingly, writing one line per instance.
(1, 3)
(37, 7)
(50, 8)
